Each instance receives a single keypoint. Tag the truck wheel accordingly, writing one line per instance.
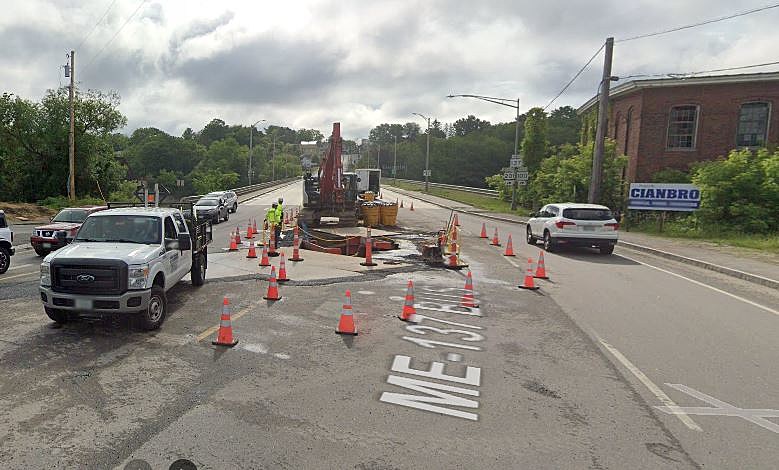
(41, 251)
(531, 240)
(5, 259)
(154, 315)
(58, 316)
(227, 216)
(606, 249)
(198, 272)
(235, 208)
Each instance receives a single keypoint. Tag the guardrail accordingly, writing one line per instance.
(247, 189)
(467, 189)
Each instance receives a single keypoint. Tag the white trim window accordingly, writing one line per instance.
(753, 124)
(682, 127)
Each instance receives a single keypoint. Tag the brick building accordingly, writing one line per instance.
(673, 122)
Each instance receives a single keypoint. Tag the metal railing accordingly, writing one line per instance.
(247, 189)
(484, 192)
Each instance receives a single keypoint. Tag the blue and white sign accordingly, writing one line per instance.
(664, 197)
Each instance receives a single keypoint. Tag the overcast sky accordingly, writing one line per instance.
(180, 63)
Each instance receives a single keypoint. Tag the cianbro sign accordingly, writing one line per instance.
(664, 197)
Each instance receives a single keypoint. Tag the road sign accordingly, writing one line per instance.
(426, 173)
(516, 161)
(664, 197)
(509, 175)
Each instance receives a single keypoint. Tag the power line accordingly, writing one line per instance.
(683, 74)
(702, 23)
(94, 57)
(96, 25)
(575, 76)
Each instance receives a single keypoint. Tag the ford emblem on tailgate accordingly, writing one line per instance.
(85, 278)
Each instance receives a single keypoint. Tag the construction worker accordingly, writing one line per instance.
(270, 220)
(279, 219)
(280, 210)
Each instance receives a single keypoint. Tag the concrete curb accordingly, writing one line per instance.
(745, 276)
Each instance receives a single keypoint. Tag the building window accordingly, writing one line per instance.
(682, 124)
(752, 125)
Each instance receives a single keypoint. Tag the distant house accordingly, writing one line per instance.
(673, 122)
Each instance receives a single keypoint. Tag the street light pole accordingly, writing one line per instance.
(427, 153)
(251, 134)
(273, 159)
(510, 103)
(395, 162)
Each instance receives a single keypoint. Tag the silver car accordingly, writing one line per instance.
(213, 208)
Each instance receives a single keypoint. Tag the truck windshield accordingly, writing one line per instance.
(71, 215)
(207, 202)
(121, 228)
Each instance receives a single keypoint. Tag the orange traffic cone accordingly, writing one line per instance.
(541, 268)
(296, 246)
(249, 231)
(456, 221)
(529, 284)
(254, 225)
(237, 235)
(412, 206)
(454, 261)
(282, 269)
(225, 336)
(252, 251)
(401, 204)
(264, 261)
(346, 323)
(495, 241)
(509, 248)
(409, 312)
(368, 250)
(272, 250)
(468, 299)
(483, 231)
(233, 244)
(273, 286)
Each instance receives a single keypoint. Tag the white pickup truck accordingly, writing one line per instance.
(123, 261)
(6, 244)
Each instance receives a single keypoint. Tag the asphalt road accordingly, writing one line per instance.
(527, 380)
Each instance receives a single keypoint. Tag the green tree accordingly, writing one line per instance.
(467, 125)
(534, 143)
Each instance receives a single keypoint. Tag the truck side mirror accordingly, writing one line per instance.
(185, 243)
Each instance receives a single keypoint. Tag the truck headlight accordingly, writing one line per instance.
(45, 274)
(137, 276)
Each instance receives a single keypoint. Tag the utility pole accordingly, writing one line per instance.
(273, 159)
(427, 158)
(600, 136)
(516, 152)
(378, 156)
(395, 162)
(72, 133)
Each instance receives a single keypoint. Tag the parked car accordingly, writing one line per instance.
(6, 243)
(570, 224)
(213, 208)
(123, 261)
(229, 197)
(62, 229)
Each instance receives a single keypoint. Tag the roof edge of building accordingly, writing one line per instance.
(635, 85)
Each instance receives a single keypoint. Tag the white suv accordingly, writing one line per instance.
(6, 244)
(229, 197)
(572, 224)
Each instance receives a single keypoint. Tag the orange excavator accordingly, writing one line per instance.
(331, 193)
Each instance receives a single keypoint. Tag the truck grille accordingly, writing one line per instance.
(99, 277)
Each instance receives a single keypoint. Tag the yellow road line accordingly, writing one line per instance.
(215, 328)
(5, 278)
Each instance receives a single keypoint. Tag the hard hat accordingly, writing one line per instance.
(275, 204)
(281, 199)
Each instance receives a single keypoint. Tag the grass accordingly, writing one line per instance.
(760, 242)
(475, 200)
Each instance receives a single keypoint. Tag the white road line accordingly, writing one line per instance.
(665, 399)
(5, 278)
(754, 304)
